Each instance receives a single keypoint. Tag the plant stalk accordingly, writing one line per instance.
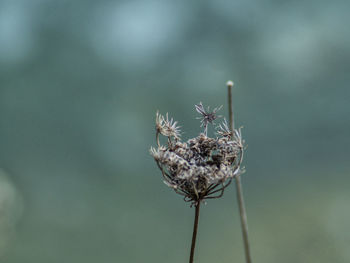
(195, 228)
(239, 191)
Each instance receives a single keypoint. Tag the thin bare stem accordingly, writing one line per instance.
(213, 191)
(244, 221)
(230, 104)
(157, 138)
(195, 228)
(240, 199)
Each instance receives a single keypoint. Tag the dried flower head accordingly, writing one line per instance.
(224, 130)
(202, 167)
(207, 116)
(159, 122)
(170, 128)
(167, 127)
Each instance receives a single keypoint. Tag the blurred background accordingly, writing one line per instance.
(80, 82)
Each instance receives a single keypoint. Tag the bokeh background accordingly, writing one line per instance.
(80, 82)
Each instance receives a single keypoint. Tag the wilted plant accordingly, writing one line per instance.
(202, 167)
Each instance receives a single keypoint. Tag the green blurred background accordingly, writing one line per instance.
(80, 82)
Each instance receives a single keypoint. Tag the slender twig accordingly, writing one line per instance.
(244, 221)
(220, 189)
(230, 106)
(242, 211)
(195, 227)
(157, 138)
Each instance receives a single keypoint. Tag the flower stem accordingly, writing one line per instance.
(195, 228)
(240, 199)
(230, 106)
(244, 222)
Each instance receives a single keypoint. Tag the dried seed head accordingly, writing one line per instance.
(224, 130)
(167, 127)
(202, 167)
(159, 122)
(207, 116)
(171, 128)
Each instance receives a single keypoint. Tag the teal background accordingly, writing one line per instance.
(80, 82)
